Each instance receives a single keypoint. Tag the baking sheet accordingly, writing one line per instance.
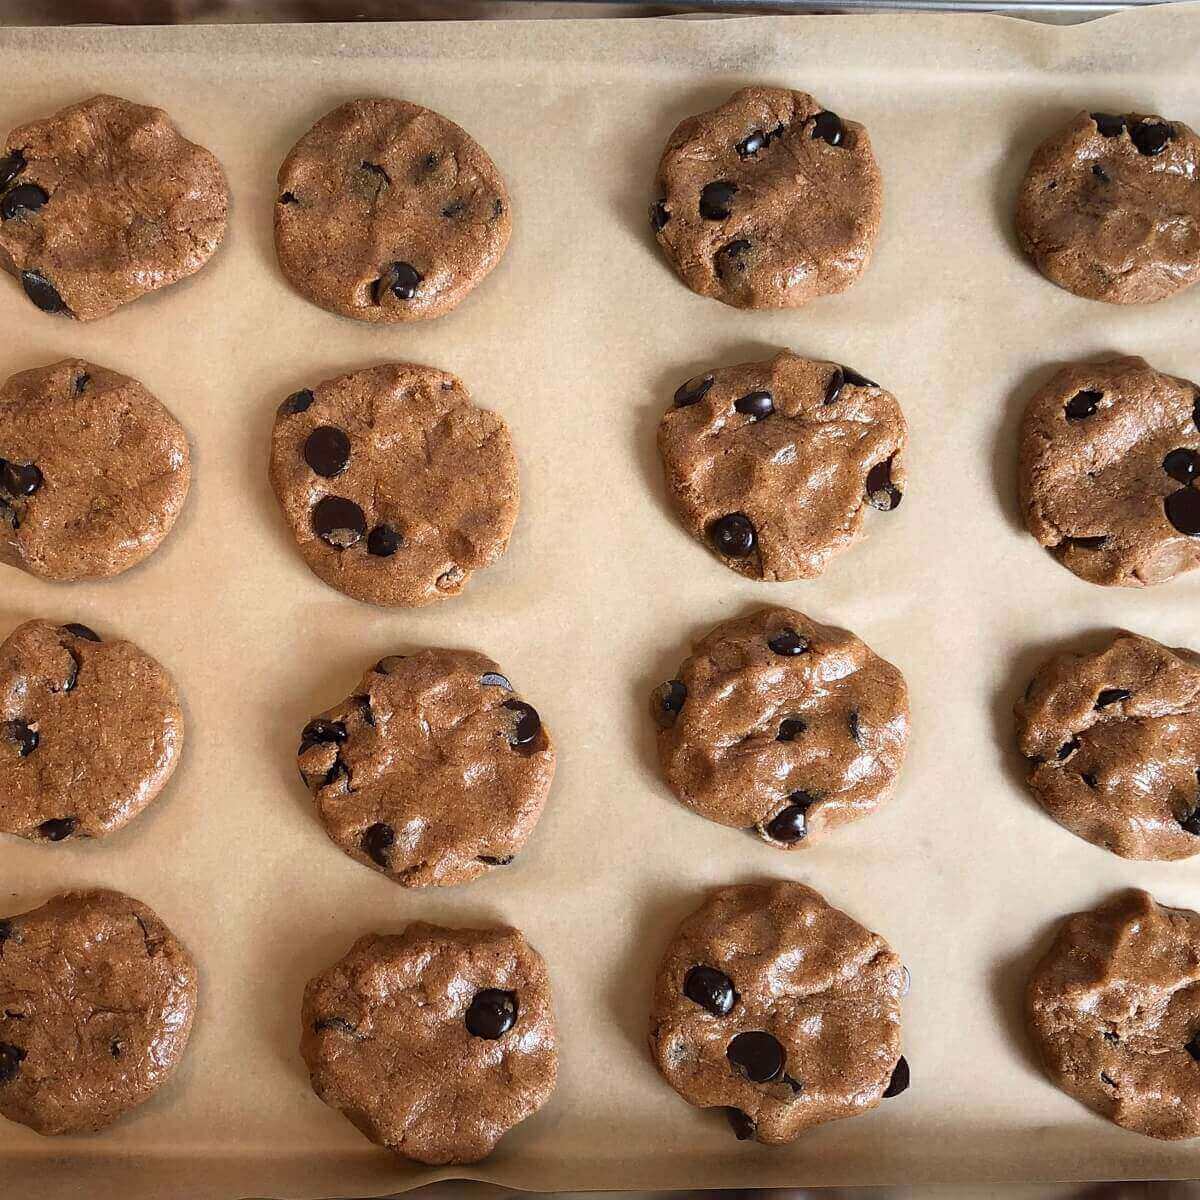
(579, 339)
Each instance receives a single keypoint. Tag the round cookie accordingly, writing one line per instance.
(1113, 742)
(783, 726)
(1114, 1012)
(1108, 455)
(389, 212)
(434, 1042)
(1109, 208)
(104, 202)
(432, 771)
(90, 732)
(779, 1008)
(395, 485)
(768, 201)
(93, 471)
(773, 464)
(96, 1003)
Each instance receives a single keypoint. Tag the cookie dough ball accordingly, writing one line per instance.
(768, 201)
(395, 485)
(783, 726)
(773, 465)
(90, 732)
(1109, 455)
(779, 1008)
(96, 1003)
(433, 771)
(433, 1042)
(1114, 1012)
(93, 471)
(1113, 743)
(389, 212)
(104, 202)
(1109, 208)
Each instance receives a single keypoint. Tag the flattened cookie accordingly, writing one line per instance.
(90, 732)
(779, 1008)
(93, 471)
(432, 771)
(433, 1042)
(1109, 454)
(768, 201)
(96, 1003)
(773, 464)
(395, 485)
(1113, 740)
(1109, 208)
(104, 202)
(389, 212)
(1114, 1011)
(781, 725)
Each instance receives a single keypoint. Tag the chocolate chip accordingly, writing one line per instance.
(327, 451)
(377, 841)
(1108, 124)
(25, 198)
(43, 293)
(1112, 1083)
(57, 830)
(853, 378)
(1089, 779)
(729, 257)
(833, 389)
(339, 522)
(693, 391)
(81, 631)
(364, 704)
(73, 678)
(1190, 822)
(716, 200)
(11, 165)
(1111, 1036)
(1100, 173)
(320, 731)
(1087, 543)
(659, 215)
(338, 1024)
(11, 1058)
(899, 1081)
(1082, 404)
(855, 728)
(758, 405)
(21, 735)
(494, 679)
(20, 479)
(733, 535)
(385, 666)
(495, 862)
(288, 198)
(790, 728)
(383, 541)
(788, 642)
(429, 162)
(1151, 137)
(669, 699)
(757, 1055)
(1112, 696)
(401, 279)
(1182, 465)
(790, 825)
(1193, 1047)
(492, 1014)
(882, 493)
(297, 402)
(711, 989)
(828, 127)
(81, 383)
(1067, 749)
(376, 170)
(742, 1125)
(749, 146)
(6, 931)
(1196, 412)
(527, 725)
(1183, 511)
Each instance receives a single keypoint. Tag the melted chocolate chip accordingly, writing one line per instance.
(1089, 779)
(527, 725)
(11, 165)
(852, 722)
(790, 728)
(729, 257)
(19, 733)
(1182, 465)
(327, 451)
(115, 1049)
(495, 862)
(1190, 822)
(757, 1055)
(669, 699)
(1151, 137)
(57, 830)
(339, 522)
(1112, 696)
(693, 391)
(1111, 1036)
(790, 824)
(659, 215)
(742, 1125)
(73, 678)
(711, 989)
(882, 493)
(297, 402)
(383, 541)
(758, 405)
(899, 1081)
(376, 170)
(11, 1058)
(1100, 173)
(828, 127)
(81, 383)
(81, 631)
(497, 209)
(6, 931)
(1082, 405)
(320, 731)
(288, 198)
(368, 713)
(492, 1014)
(1108, 124)
(1112, 1083)
(1067, 749)
(733, 535)
(429, 162)
(401, 279)
(455, 208)
(337, 1024)
(716, 200)
(43, 293)
(20, 479)
(25, 198)
(833, 389)
(377, 842)
(788, 642)
(494, 679)
(1183, 511)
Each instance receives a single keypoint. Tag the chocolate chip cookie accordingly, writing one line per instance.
(389, 212)
(780, 1009)
(93, 471)
(96, 1003)
(1113, 743)
(1109, 453)
(104, 202)
(773, 465)
(395, 485)
(782, 726)
(434, 1042)
(433, 771)
(768, 201)
(90, 732)
(1114, 1011)
(1109, 208)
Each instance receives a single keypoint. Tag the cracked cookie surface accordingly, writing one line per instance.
(779, 1008)
(1109, 460)
(94, 471)
(97, 997)
(768, 201)
(389, 212)
(433, 771)
(783, 726)
(396, 487)
(90, 732)
(434, 1042)
(1114, 1011)
(774, 464)
(104, 202)
(1113, 741)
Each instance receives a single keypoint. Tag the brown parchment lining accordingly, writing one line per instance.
(579, 339)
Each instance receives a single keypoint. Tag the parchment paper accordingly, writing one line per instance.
(579, 339)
